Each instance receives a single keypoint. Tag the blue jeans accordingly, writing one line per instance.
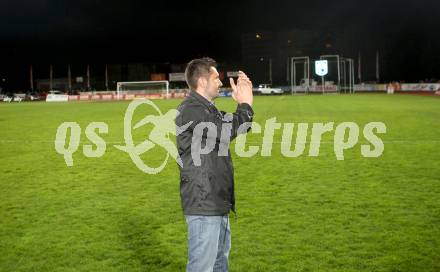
(209, 242)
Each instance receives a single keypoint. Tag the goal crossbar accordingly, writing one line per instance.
(145, 83)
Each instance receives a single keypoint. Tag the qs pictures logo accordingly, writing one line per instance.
(205, 139)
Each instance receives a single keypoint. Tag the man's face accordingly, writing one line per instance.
(213, 84)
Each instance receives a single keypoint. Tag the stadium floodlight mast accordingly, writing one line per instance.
(106, 77)
(69, 79)
(88, 77)
(51, 77)
(350, 75)
(143, 87)
(293, 61)
(31, 78)
(377, 67)
(359, 70)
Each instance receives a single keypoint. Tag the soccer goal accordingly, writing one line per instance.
(134, 89)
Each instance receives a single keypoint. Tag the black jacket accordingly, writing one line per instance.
(207, 185)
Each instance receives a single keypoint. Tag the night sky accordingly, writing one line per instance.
(98, 31)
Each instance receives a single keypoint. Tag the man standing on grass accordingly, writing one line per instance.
(207, 174)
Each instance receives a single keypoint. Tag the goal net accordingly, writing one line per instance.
(133, 89)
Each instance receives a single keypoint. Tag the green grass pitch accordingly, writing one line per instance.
(294, 214)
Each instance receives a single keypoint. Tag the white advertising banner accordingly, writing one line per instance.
(370, 87)
(316, 88)
(57, 98)
(430, 87)
(107, 97)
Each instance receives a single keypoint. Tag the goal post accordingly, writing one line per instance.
(143, 88)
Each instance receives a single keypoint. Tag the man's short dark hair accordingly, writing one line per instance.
(198, 68)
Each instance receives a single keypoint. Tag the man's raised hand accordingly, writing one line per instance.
(242, 91)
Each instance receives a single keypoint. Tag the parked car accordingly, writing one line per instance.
(55, 92)
(33, 97)
(267, 89)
